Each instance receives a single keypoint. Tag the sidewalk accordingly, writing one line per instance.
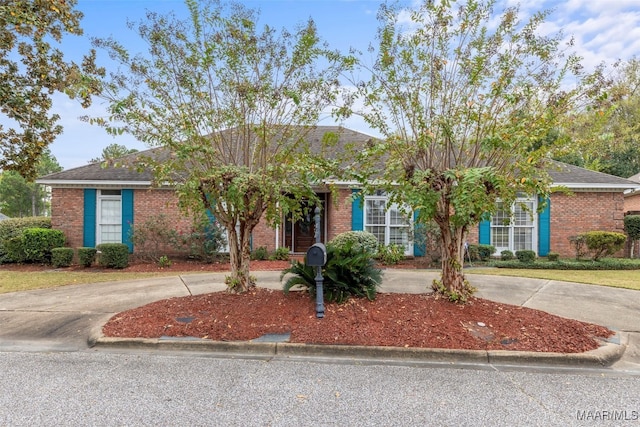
(67, 318)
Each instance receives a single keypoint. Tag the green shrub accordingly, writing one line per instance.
(526, 256)
(206, 239)
(604, 243)
(571, 264)
(579, 245)
(87, 256)
(280, 254)
(349, 272)
(358, 240)
(485, 252)
(390, 254)
(38, 243)
(164, 262)
(632, 226)
(14, 250)
(153, 237)
(113, 255)
(506, 255)
(13, 227)
(553, 256)
(61, 257)
(260, 253)
(473, 254)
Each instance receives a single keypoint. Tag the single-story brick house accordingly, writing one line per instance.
(93, 204)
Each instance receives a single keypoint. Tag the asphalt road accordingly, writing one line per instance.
(101, 388)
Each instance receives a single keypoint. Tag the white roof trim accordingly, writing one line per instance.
(600, 186)
(95, 183)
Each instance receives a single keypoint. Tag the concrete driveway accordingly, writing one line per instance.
(63, 318)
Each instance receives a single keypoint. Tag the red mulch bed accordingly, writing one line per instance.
(401, 320)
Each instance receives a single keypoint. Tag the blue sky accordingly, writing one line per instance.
(604, 30)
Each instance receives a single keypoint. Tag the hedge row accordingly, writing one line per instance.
(602, 264)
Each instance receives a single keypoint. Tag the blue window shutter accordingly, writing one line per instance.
(357, 211)
(418, 249)
(484, 232)
(89, 222)
(544, 230)
(127, 217)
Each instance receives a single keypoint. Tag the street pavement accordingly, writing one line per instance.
(70, 317)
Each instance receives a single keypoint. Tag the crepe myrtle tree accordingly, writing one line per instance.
(32, 69)
(232, 103)
(461, 97)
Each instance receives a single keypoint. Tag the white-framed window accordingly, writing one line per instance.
(514, 227)
(387, 222)
(109, 216)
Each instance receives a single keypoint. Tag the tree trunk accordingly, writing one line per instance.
(452, 283)
(240, 279)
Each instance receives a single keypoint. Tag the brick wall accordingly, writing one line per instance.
(581, 212)
(632, 203)
(338, 213)
(67, 213)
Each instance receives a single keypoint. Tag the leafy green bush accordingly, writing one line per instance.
(632, 226)
(113, 255)
(570, 264)
(526, 256)
(506, 255)
(390, 254)
(358, 240)
(349, 272)
(37, 243)
(280, 254)
(87, 256)
(553, 256)
(260, 253)
(13, 227)
(485, 252)
(153, 237)
(579, 245)
(164, 262)
(206, 239)
(61, 257)
(604, 243)
(473, 254)
(14, 250)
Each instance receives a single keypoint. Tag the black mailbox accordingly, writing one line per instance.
(317, 255)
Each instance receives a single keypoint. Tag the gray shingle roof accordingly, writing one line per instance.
(95, 174)
(570, 175)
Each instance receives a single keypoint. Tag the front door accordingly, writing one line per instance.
(300, 235)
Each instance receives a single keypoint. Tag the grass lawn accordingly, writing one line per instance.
(14, 281)
(629, 279)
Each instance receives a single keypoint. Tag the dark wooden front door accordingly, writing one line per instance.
(300, 235)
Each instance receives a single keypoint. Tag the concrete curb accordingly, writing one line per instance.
(608, 353)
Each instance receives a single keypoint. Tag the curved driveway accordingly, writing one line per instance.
(64, 318)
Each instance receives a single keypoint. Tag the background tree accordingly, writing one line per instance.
(19, 197)
(462, 98)
(112, 152)
(26, 29)
(233, 103)
(607, 139)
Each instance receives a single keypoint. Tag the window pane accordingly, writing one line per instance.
(378, 232)
(111, 234)
(399, 236)
(522, 238)
(396, 217)
(111, 212)
(375, 212)
(501, 217)
(500, 237)
(523, 214)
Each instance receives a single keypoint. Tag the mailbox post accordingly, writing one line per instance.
(317, 257)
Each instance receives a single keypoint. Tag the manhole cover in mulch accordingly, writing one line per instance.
(185, 319)
(479, 330)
